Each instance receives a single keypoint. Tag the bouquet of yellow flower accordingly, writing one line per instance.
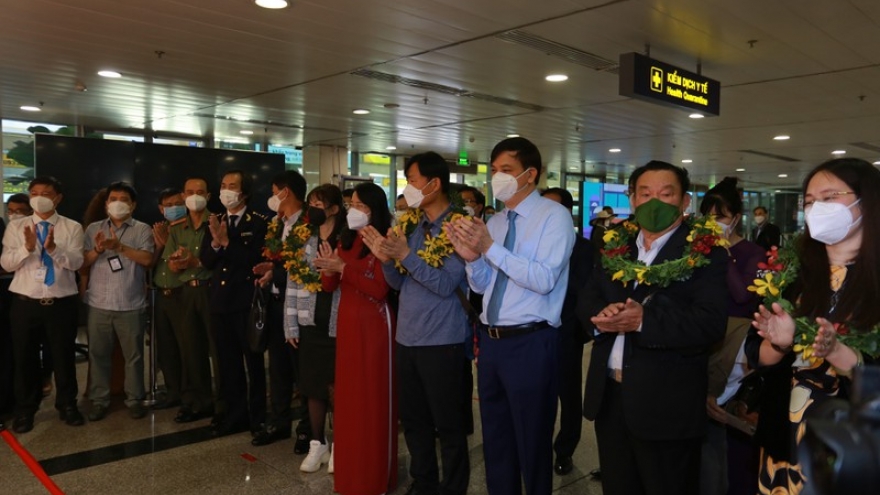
(780, 270)
(292, 252)
(704, 235)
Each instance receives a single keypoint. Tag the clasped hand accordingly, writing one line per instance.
(219, 232)
(619, 317)
(393, 245)
(328, 259)
(778, 327)
(30, 239)
(469, 237)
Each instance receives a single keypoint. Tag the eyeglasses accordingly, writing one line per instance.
(828, 197)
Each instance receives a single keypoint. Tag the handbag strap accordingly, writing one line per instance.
(472, 314)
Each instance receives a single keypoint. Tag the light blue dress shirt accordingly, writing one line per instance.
(537, 267)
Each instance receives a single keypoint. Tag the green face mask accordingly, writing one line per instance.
(656, 216)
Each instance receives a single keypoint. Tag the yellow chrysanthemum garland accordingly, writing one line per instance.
(704, 235)
(774, 276)
(292, 251)
(436, 248)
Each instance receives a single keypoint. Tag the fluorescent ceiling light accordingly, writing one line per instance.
(740, 170)
(271, 4)
(877, 162)
(360, 111)
(687, 161)
(696, 116)
(109, 73)
(614, 150)
(838, 152)
(512, 135)
(247, 133)
(391, 148)
(778, 190)
(30, 108)
(556, 78)
(782, 137)
(782, 176)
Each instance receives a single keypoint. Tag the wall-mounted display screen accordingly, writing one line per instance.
(594, 196)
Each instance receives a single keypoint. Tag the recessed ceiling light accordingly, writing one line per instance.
(391, 148)
(781, 137)
(687, 161)
(877, 162)
(574, 169)
(247, 133)
(838, 152)
(696, 116)
(30, 108)
(271, 4)
(360, 111)
(556, 78)
(109, 73)
(782, 176)
(778, 190)
(614, 150)
(740, 170)
(512, 135)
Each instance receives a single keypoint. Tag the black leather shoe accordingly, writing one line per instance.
(71, 416)
(23, 424)
(223, 429)
(165, 404)
(563, 465)
(596, 474)
(269, 435)
(187, 415)
(302, 444)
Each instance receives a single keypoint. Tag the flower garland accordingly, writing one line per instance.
(705, 234)
(292, 251)
(436, 248)
(779, 272)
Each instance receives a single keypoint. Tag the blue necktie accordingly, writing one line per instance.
(42, 233)
(494, 308)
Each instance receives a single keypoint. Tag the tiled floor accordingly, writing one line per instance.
(228, 465)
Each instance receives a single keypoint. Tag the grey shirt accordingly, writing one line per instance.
(118, 290)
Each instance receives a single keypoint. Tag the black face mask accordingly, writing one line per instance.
(316, 216)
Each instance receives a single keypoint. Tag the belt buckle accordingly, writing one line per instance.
(493, 332)
(47, 301)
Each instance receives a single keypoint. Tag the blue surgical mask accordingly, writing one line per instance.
(173, 213)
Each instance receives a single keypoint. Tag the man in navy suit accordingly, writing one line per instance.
(231, 248)
(646, 386)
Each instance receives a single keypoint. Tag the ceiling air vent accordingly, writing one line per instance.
(564, 52)
(867, 146)
(770, 155)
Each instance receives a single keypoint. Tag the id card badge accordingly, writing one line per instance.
(40, 275)
(115, 264)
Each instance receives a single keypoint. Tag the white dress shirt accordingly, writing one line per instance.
(67, 257)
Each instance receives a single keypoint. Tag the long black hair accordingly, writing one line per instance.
(330, 195)
(380, 218)
(724, 197)
(864, 281)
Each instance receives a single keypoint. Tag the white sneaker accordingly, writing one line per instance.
(319, 453)
(330, 463)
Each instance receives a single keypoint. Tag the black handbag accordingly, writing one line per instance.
(256, 329)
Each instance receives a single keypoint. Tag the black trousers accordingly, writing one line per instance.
(244, 392)
(30, 320)
(430, 381)
(282, 365)
(571, 405)
(632, 466)
(7, 390)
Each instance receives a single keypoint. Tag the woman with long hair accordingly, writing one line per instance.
(310, 319)
(839, 274)
(365, 418)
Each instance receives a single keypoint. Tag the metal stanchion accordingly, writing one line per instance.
(152, 396)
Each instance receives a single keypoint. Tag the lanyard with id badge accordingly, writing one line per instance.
(114, 261)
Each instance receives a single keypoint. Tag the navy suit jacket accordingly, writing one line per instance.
(665, 378)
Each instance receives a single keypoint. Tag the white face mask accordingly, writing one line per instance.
(728, 228)
(414, 196)
(15, 216)
(42, 204)
(470, 210)
(196, 203)
(829, 222)
(230, 199)
(274, 202)
(118, 209)
(504, 185)
(357, 219)
(398, 214)
(759, 219)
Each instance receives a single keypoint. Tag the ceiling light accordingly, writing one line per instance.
(696, 116)
(247, 133)
(271, 4)
(838, 152)
(614, 150)
(109, 73)
(782, 176)
(29, 108)
(740, 170)
(687, 161)
(778, 190)
(781, 137)
(391, 148)
(512, 135)
(360, 111)
(556, 78)
(574, 169)
(877, 162)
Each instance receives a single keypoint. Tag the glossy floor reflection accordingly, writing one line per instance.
(120, 455)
